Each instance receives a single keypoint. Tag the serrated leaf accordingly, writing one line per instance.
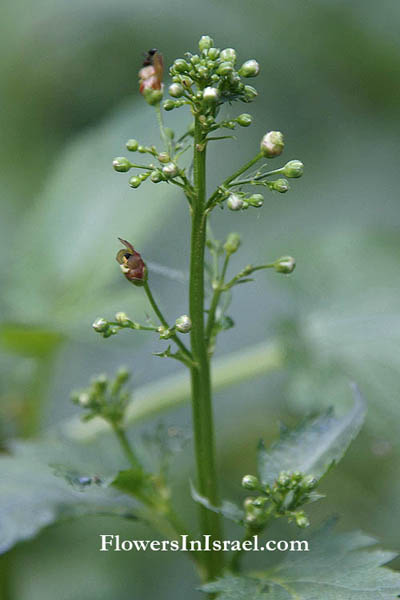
(227, 509)
(40, 485)
(314, 446)
(336, 567)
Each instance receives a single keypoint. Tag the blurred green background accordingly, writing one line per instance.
(330, 81)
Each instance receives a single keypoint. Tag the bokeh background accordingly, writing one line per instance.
(330, 80)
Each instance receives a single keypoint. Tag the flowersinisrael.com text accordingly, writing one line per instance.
(113, 543)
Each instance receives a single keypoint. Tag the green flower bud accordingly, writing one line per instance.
(260, 501)
(229, 55)
(121, 164)
(164, 157)
(176, 90)
(100, 325)
(285, 264)
(205, 43)
(225, 68)
(142, 149)
(132, 145)
(250, 93)
(164, 332)
(309, 483)
(156, 176)
(256, 200)
(121, 318)
(301, 520)
(244, 120)
(280, 185)
(294, 168)
(195, 59)
(170, 170)
(135, 181)
(250, 68)
(234, 202)
(232, 243)
(169, 105)
(187, 82)
(213, 53)
(272, 144)
(84, 400)
(210, 94)
(202, 72)
(151, 96)
(183, 324)
(250, 482)
(180, 66)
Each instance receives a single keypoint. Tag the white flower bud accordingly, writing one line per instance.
(121, 318)
(272, 144)
(250, 68)
(285, 264)
(170, 170)
(210, 94)
(183, 324)
(100, 325)
(234, 202)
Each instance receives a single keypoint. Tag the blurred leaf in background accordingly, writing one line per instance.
(330, 72)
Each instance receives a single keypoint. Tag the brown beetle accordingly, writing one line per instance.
(132, 264)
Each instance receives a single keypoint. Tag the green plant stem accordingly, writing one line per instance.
(164, 322)
(256, 177)
(227, 181)
(165, 138)
(215, 299)
(210, 523)
(126, 447)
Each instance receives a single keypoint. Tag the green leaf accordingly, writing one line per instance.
(336, 567)
(314, 446)
(227, 509)
(40, 485)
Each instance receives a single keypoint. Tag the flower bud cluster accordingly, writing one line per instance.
(241, 201)
(104, 398)
(284, 498)
(211, 78)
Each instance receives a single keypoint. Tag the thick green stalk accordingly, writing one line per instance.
(210, 522)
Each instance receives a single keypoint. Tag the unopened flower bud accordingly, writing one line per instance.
(176, 90)
(170, 170)
(250, 68)
(100, 325)
(225, 68)
(132, 264)
(272, 144)
(285, 264)
(294, 168)
(84, 399)
(250, 482)
(135, 181)
(244, 120)
(121, 164)
(164, 332)
(132, 145)
(256, 200)
(183, 324)
(151, 96)
(250, 93)
(232, 243)
(169, 105)
(309, 483)
(228, 54)
(301, 520)
(205, 43)
(180, 65)
(210, 94)
(234, 202)
(279, 185)
(164, 157)
(213, 53)
(156, 177)
(121, 318)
